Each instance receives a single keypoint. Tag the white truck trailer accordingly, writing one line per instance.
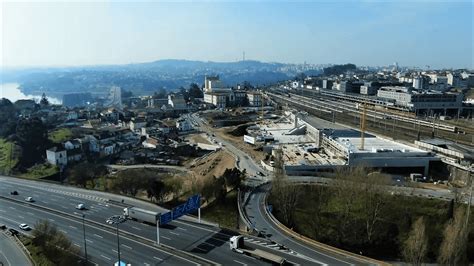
(141, 215)
(237, 244)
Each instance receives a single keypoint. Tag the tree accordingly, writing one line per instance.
(85, 172)
(233, 177)
(453, 247)
(283, 192)
(173, 186)
(374, 197)
(195, 91)
(346, 190)
(55, 244)
(7, 118)
(156, 190)
(319, 198)
(33, 138)
(185, 93)
(416, 246)
(44, 100)
(160, 94)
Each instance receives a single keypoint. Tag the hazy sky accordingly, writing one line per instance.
(439, 34)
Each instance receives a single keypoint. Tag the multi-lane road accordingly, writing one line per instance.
(185, 241)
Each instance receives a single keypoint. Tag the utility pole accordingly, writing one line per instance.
(118, 245)
(84, 235)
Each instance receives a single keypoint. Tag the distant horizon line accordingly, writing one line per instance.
(24, 67)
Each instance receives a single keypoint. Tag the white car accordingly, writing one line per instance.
(80, 206)
(30, 199)
(25, 227)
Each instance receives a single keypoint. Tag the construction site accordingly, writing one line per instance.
(312, 146)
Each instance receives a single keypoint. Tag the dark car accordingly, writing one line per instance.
(3, 227)
(13, 231)
(14, 192)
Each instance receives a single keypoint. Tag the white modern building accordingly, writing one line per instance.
(425, 101)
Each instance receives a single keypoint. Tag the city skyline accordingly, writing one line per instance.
(424, 33)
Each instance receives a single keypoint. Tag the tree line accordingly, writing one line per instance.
(361, 213)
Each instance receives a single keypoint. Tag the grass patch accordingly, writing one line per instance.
(40, 171)
(7, 163)
(60, 135)
(223, 212)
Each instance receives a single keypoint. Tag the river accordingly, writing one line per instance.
(12, 92)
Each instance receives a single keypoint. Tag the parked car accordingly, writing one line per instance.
(30, 199)
(13, 231)
(14, 192)
(3, 227)
(25, 227)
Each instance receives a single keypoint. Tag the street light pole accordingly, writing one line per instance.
(84, 234)
(118, 245)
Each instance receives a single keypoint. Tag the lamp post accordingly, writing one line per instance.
(116, 220)
(118, 244)
(84, 234)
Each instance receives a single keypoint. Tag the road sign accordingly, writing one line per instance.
(166, 218)
(192, 204)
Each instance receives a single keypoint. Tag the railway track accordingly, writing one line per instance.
(390, 125)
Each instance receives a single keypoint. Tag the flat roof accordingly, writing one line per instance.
(375, 145)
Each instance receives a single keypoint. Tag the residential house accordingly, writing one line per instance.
(56, 156)
(73, 150)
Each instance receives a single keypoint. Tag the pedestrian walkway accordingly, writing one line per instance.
(11, 254)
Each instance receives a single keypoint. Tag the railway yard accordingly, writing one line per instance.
(384, 120)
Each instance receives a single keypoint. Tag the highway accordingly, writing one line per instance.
(201, 243)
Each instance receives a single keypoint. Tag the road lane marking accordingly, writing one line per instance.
(136, 228)
(165, 237)
(75, 244)
(63, 231)
(115, 251)
(239, 262)
(146, 264)
(106, 231)
(19, 216)
(156, 258)
(3, 211)
(125, 246)
(98, 236)
(182, 229)
(12, 208)
(52, 220)
(173, 233)
(72, 226)
(30, 213)
(105, 257)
